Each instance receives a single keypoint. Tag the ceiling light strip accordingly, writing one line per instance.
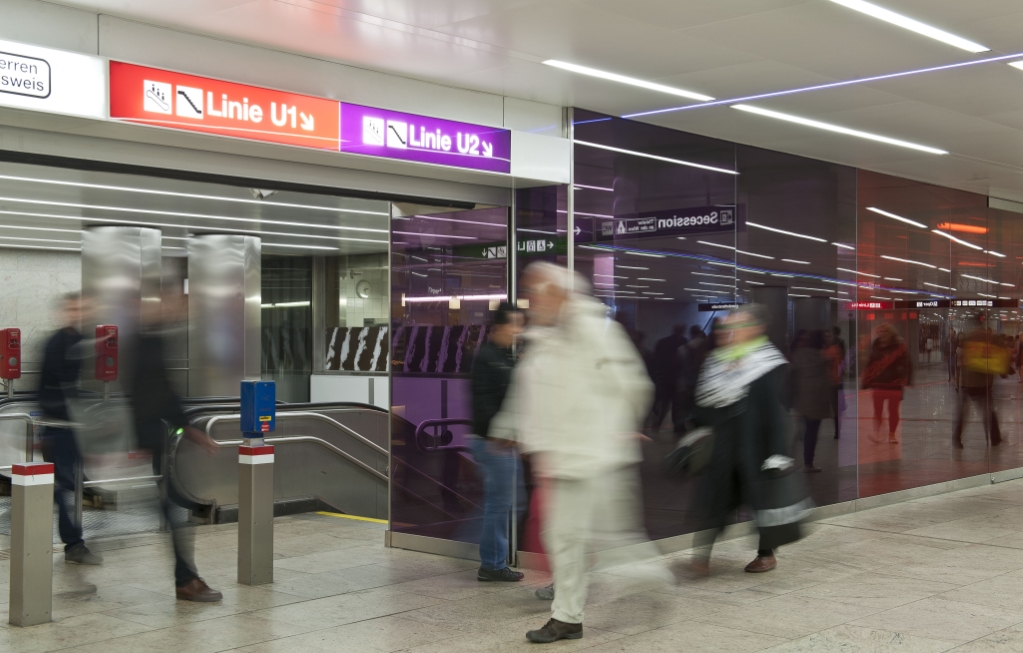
(886, 214)
(905, 22)
(623, 79)
(665, 159)
(787, 233)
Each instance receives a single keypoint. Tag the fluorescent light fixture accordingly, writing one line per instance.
(792, 260)
(835, 128)
(1002, 283)
(1017, 64)
(872, 276)
(645, 254)
(588, 215)
(844, 246)
(1005, 298)
(719, 285)
(787, 276)
(285, 305)
(653, 293)
(944, 270)
(665, 159)
(795, 295)
(623, 79)
(739, 251)
(906, 260)
(993, 253)
(891, 279)
(958, 240)
(666, 299)
(631, 267)
(286, 246)
(879, 297)
(609, 276)
(937, 285)
(912, 25)
(681, 237)
(878, 211)
(754, 283)
(787, 233)
(637, 286)
(988, 296)
(708, 274)
(811, 289)
(704, 242)
(49, 249)
(603, 188)
(648, 279)
(167, 193)
(195, 216)
(448, 298)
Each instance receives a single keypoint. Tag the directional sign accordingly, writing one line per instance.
(672, 222)
(543, 246)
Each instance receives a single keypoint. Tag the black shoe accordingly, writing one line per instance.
(499, 575)
(79, 554)
(554, 630)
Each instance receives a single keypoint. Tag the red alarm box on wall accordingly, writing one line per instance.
(106, 352)
(10, 349)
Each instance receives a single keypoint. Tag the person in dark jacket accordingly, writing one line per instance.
(665, 367)
(155, 406)
(58, 383)
(886, 375)
(983, 358)
(491, 376)
(738, 396)
(811, 391)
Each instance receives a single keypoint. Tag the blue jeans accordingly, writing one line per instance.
(501, 474)
(61, 449)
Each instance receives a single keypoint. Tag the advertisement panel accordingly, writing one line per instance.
(54, 81)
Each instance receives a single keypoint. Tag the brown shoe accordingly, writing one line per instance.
(762, 564)
(197, 590)
(554, 630)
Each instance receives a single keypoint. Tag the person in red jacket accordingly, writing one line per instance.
(886, 375)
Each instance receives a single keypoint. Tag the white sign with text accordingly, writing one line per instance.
(42, 79)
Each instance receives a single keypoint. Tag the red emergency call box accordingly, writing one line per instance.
(10, 350)
(106, 352)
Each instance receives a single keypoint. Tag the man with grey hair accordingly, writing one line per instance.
(576, 402)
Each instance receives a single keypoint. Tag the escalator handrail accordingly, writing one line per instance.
(287, 439)
(194, 411)
(433, 423)
(303, 414)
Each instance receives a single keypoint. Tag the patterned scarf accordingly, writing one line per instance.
(726, 376)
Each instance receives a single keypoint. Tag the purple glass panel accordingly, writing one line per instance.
(406, 136)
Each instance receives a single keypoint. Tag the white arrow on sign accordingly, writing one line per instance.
(488, 149)
(308, 122)
(550, 245)
(578, 230)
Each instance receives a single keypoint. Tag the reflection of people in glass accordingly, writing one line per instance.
(983, 358)
(886, 374)
(665, 375)
(491, 375)
(738, 395)
(835, 353)
(951, 356)
(811, 391)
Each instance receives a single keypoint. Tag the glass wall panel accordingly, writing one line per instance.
(448, 272)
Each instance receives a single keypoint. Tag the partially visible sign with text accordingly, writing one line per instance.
(54, 81)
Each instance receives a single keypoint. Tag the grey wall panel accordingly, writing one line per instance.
(49, 25)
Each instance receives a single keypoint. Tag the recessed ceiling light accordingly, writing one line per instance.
(782, 231)
(906, 260)
(912, 25)
(836, 128)
(886, 214)
(665, 159)
(623, 79)
(958, 240)
(792, 260)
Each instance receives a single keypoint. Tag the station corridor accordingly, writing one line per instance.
(934, 574)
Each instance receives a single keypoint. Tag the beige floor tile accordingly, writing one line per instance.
(71, 632)
(346, 608)
(882, 591)
(788, 616)
(647, 611)
(972, 529)
(1000, 592)
(210, 636)
(511, 638)
(962, 566)
(942, 619)
(691, 637)
(856, 639)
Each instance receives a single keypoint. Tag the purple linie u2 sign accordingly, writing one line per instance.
(396, 135)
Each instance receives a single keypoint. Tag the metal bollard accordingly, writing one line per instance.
(31, 599)
(255, 513)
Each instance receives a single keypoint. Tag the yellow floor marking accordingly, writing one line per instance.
(355, 517)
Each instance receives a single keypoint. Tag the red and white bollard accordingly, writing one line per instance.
(255, 514)
(31, 599)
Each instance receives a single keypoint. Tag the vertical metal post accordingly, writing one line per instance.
(31, 589)
(10, 388)
(570, 219)
(255, 513)
(30, 440)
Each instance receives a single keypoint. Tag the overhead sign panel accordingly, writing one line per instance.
(54, 81)
(197, 104)
(672, 222)
(406, 136)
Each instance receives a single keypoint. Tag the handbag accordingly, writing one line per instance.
(692, 455)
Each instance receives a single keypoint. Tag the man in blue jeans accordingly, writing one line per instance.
(491, 375)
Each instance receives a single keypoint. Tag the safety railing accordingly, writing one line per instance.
(285, 415)
(430, 436)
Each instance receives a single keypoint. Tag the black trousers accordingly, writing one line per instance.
(982, 397)
(175, 512)
(61, 449)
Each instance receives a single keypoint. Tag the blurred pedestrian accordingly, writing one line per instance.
(58, 385)
(666, 367)
(886, 375)
(502, 475)
(983, 359)
(811, 387)
(739, 397)
(155, 406)
(576, 402)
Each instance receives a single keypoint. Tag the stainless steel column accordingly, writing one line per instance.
(121, 269)
(255, 514)
(31, 599)
(224, 313)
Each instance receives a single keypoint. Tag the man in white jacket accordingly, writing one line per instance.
(576, 402)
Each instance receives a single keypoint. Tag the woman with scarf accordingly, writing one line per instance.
(738, 396)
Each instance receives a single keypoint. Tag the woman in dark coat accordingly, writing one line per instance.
(739, 396)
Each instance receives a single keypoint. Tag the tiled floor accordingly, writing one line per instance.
(936, 574)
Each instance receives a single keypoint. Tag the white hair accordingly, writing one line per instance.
(559, 277)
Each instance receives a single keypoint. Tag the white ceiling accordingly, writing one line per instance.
(724, 48)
